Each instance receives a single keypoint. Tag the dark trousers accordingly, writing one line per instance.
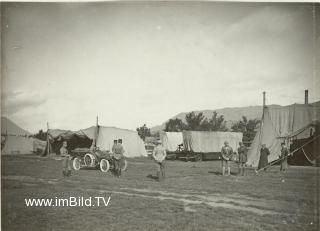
(117, 166)
(161, 170)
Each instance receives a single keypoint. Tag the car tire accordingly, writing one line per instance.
(104, 165)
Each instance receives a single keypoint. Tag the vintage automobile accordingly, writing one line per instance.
(103, 160)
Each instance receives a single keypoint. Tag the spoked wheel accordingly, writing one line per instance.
(124, 165)
(198, 157)
(89, 160)
(76, 163)
(104, 165)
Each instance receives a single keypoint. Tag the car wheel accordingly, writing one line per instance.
(76, 163)
(104, 165)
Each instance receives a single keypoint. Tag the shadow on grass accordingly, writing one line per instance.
(150, 176)
(219, 173)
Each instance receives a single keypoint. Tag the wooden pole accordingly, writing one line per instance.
(306, 97)
(48, 143)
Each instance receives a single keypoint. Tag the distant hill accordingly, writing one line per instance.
(10, 128)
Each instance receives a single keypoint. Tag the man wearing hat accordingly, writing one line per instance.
(159, 155)
(284, 157)
(242, 152)
(66, 159)
(118, 156)
(226, 153)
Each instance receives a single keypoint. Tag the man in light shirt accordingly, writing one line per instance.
(159, 155)
(118, 156)
(226, 153)
(66, 159)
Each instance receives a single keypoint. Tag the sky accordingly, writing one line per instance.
(135, 63)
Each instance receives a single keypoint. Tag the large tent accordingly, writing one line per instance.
(15, 140)
(171, 140)
(17, 145)
(283, 124)
(206, 142)
(101, 136)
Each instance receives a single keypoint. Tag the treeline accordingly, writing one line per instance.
(198, 122)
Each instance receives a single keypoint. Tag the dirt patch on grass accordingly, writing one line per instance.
(212, 200)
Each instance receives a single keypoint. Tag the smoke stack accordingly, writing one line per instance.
(264, 99)
(306, 96)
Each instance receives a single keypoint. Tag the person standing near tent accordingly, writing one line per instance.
(242, 152)
(66, 159)
(118, 157)
(263, 161)
(284, 157)
(159, 155)
(114, 145)
(226, 153)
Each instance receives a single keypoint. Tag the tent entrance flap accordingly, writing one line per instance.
(74, 140)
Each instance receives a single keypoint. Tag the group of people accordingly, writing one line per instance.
(118, 156)
(159, 155)
(227, 153)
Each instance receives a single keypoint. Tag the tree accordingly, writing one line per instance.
(194, 121)
(143, 131)
(175, 125)
(41, 135)
(247, 127)
(216, 123)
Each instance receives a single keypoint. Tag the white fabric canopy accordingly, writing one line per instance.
(171, 140)
(132, 143)
(203, 141)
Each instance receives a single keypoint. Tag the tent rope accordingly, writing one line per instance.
(305, 154)
(291, 153)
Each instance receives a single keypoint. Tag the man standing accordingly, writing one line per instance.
(226, 153)
(66, 159)
(118, 156)
(284, 157)
(159, 155)
(242, 152)
(114, 145)
(264, 153)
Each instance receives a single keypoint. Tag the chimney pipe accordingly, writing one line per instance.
(306, 97)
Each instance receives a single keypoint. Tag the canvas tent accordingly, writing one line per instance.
(15, 140)
(17, 145)
(205, 142)
(283, 124)
(101, 136)
(171, 140)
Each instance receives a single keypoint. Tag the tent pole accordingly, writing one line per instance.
(48, 144)
(291, 153)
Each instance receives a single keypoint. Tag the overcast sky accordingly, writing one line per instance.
(135, 63)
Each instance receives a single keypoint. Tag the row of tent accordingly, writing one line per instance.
(101, 136)
(296, 125)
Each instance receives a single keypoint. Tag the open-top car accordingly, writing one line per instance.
(103, 160)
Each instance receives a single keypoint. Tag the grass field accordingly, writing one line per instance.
(193, 197)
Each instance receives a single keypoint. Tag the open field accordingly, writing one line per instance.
(193, 197)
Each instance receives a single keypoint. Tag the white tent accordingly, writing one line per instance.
(280, 124)
(19, 145)
(205, 142)
(132, 143)
(171, 140)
